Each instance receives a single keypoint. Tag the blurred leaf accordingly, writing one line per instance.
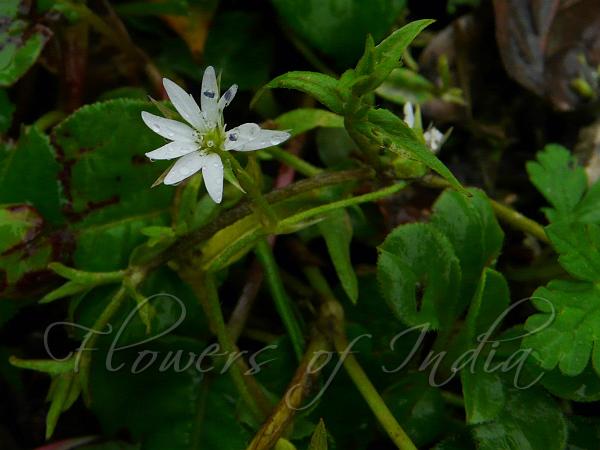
(566, 329)
(418, 406)
(336, 228)
(6, 111)
(189, 408)
(322, 87)
(584, 432)
(318, 441)
(558, 177)
(301, 120)
(419, 275)
(584, 387)
(404, 85)
(338, 28)
(530, 419)
(33, 159)
(240, 47)
(470, 225)
(21, 43)
(335, 146)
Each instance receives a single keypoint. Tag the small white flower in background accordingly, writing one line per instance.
(434, 138)
(196, 147)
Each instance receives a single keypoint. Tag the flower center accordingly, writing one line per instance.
(210, 140)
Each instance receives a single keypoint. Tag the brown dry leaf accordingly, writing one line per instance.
(552, 47)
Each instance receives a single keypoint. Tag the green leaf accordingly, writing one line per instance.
(392, 133)
(6, 111)
(404, 85)
(25, 250)
(471, 226)
(484, 395)
(566, 331)
(51, 367)
(529, 420)
(578, 245)
(337, 231)
(387, 55)
(32, 159)
(322, 87)
(22, 44)
(419, 276)
(418, 406)
(560, 180)
(318, 441)
(584, 387)
(64, 390)
(490, 301)
(240, 46)
(301, 120)
(338, 28)
(584, 432)
(107, 179)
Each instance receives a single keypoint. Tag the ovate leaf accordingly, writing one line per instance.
(419, 275)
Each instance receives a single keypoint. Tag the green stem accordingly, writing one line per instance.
(84, 355)
(355, 371)
(517, 220)
(371, 196)
(249, 185)
(372, 397)
(49, 119)
(213, 311)
(282, 301)
(298, 164)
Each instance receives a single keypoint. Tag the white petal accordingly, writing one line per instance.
(210, 97)
(184, 167)
(173, 150)
(250, 136)
(409, 115)
(433, 139)
(212, 172)
(185, 104)
(170, 129)
(227, 97)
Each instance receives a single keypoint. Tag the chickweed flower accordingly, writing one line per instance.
(199, 145)
(433, 137)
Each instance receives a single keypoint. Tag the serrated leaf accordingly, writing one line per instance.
(31, 159)
(578, 245)
(419, 276)
(336, 228)
(318, 441)
(301, 120)
(107, 181)
(322, 87)
(566, 331)
(392, 133)
(560, 180)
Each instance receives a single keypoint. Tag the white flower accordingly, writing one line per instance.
(434, 138)
(197, 147)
